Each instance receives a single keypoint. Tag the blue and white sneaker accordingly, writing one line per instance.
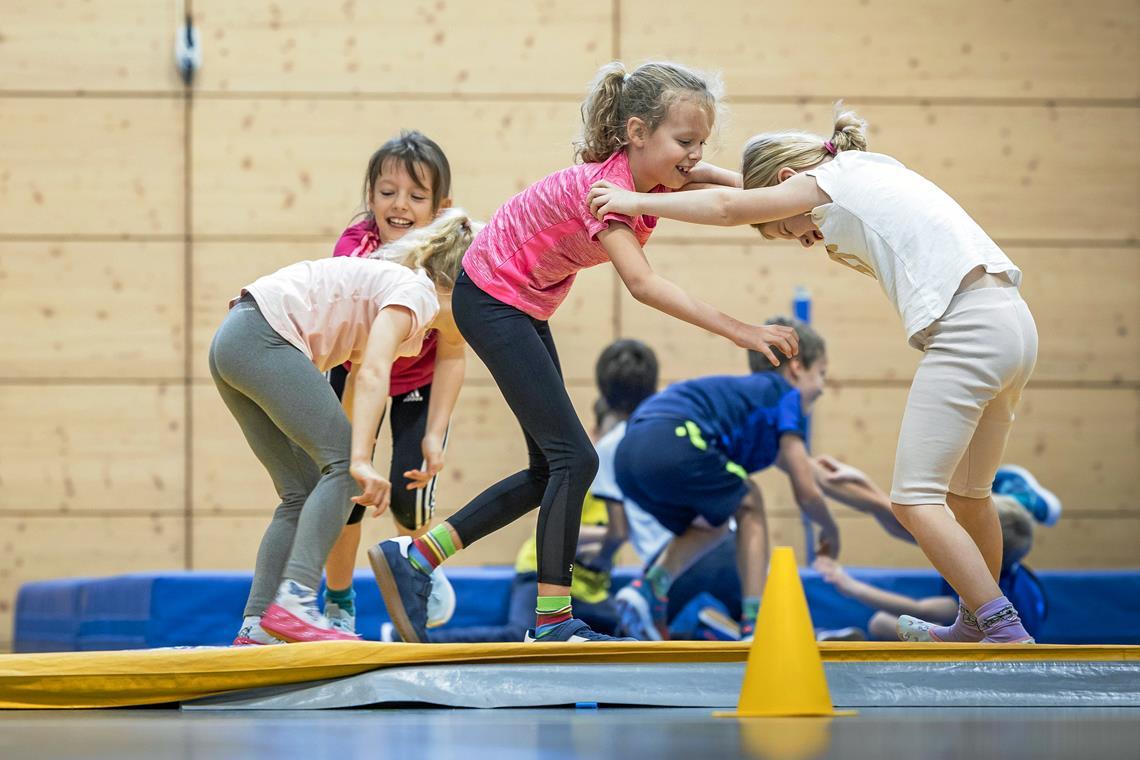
(1019, 483)
(404, 588)
(340, 618)
(640, 615)
(441, 601)
(573, 631)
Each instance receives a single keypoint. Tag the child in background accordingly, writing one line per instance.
(267, 360)
(643, 130)
(957, 294)
(687, 457)
(406, 185)
(901, 617)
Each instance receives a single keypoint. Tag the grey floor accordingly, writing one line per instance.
(609, 732)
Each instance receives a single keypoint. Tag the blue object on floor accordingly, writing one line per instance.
(146, 610)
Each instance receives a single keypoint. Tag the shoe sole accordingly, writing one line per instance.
(390, 592)
(283, 625)
(1052, 503)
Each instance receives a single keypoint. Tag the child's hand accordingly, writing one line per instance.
(828, 541)
(832, 572)
(759, 338)
(433, 462)
(839, 472)
(607, 198)
(377, 490)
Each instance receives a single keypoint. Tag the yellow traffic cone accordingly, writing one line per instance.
(784, 676)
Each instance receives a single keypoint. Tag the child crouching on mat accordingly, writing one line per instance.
(267, 360)
(687, 457)
(957, 294)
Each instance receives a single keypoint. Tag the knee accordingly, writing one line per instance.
(586, 462)
(883, 626)
(753, 502)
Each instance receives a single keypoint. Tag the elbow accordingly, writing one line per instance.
(726, 214)
(641, 289)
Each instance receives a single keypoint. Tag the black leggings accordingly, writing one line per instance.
(519, 351)
(412, 509)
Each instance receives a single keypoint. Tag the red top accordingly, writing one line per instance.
(408, 372)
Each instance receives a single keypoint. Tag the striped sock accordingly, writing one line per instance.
(749, 609)
(550, 612)
(430, 550)
(659, 581)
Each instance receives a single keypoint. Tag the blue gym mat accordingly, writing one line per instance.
(146, 610)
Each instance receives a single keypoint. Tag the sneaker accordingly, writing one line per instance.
(717, 625)
(441, 601)
(849, 633)
(294, 616)
(389, 634)
(251, 634)
(1019, 483)
(912, 629)
(339, 618)
(641, 615)
(404, 588)
(574, 631)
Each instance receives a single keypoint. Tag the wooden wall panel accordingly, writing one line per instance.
(42, 548)
(416, 48)
(971, 50)
(1079, 297)
(80, 46)
(91, 448)
(88, 309)
(98, 167)
(295, 167)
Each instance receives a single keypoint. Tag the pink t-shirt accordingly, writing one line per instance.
(326, 307)
(531, 249)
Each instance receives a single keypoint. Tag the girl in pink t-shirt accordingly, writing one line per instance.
(643, 130)
(407, 184)
(268, 361)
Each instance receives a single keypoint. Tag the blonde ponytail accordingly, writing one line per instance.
(765, 154)
(437, 248)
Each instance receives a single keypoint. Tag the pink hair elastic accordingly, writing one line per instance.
(829, 147)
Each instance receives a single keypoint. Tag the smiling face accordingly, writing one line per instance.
(400, 201)
(666, 155)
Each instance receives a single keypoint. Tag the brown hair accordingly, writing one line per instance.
(647, 93)
(418, 154)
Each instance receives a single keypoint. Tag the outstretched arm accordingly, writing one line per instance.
(653, 290)
(939, 609)
(794, 460)
(706, 175)
(724, 207)
(853, 487)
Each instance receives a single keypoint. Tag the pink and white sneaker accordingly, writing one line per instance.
(251, 634)
(294, 617)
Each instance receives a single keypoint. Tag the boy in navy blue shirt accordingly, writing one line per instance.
(686, 459)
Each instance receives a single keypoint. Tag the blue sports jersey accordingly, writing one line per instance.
(743, 416)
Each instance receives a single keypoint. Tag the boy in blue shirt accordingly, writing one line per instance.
(686, 459)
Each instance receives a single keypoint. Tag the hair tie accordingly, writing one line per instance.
(829, 146)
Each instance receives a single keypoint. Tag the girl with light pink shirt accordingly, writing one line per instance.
(643, 130)
(268, 361)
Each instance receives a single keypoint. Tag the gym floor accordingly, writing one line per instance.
(608, 732)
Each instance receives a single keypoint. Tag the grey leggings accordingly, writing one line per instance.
(297, 428)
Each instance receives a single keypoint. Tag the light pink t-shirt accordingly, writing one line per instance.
(533, 246)
(326, 307)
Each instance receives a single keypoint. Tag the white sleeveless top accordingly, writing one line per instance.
(892, 224)
(326, 307)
